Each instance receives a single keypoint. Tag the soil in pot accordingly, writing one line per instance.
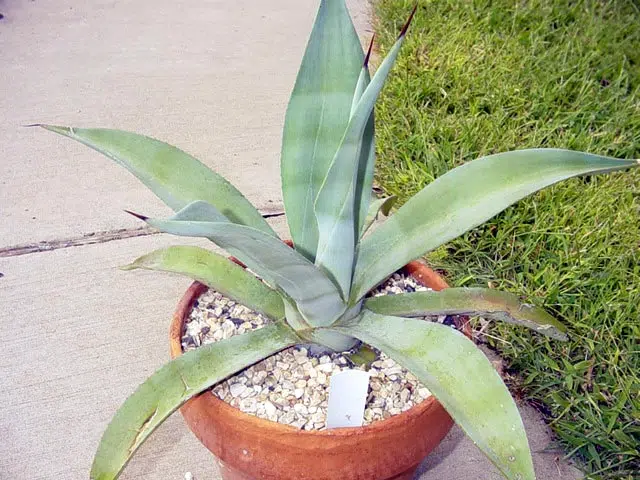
(292, 387)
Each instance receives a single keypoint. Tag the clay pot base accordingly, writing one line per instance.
(229, 473)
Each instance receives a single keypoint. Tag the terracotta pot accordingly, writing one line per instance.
(250, 448)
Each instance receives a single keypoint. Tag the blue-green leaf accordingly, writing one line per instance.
(379, 205)
(315, 295)
(200, 211)
(461, 378)
(174, 176)
(317, 117)
(485, 302)
(462, 199)
(175, 383)
(366, 163)
(335, 207)
(218, 273)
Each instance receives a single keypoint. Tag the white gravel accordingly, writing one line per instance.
(292, 387)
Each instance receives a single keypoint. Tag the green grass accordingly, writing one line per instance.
(477, 78)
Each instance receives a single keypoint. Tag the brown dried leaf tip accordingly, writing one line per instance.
(137, 215)
(368, 56)
(406, 25)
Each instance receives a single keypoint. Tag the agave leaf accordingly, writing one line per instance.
(366, 163)
(174, 176)
(461, 378)
(462, 199)
(316, 296)
(364, 182)
(334, 208)
(317, 117)
(379, 205)
(485, 302)
(200, 211)
(175, 383)
(363, 80)
(218, 273)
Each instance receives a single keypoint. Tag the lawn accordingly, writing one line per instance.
(483, 77)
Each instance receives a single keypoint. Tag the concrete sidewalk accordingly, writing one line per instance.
(76, 334)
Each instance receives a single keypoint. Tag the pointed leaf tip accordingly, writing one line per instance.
(406, 25)
(137, 215)
(174, 176)
(368, 56)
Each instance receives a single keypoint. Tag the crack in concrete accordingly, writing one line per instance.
(86, 239)
(89, 239)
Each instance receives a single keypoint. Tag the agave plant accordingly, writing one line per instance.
(317, 291)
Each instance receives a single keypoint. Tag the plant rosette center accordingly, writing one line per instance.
(292, 387)
(334, 341)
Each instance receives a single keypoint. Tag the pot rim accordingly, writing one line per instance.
(416, 269)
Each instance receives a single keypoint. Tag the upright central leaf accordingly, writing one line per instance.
(317, 117)
(336, 208)
(367, 160)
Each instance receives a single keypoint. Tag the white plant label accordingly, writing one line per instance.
(347, 398)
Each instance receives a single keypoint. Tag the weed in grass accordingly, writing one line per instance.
(489, 76)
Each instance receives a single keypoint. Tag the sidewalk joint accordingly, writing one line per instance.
(89, 239)
(86, 239)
